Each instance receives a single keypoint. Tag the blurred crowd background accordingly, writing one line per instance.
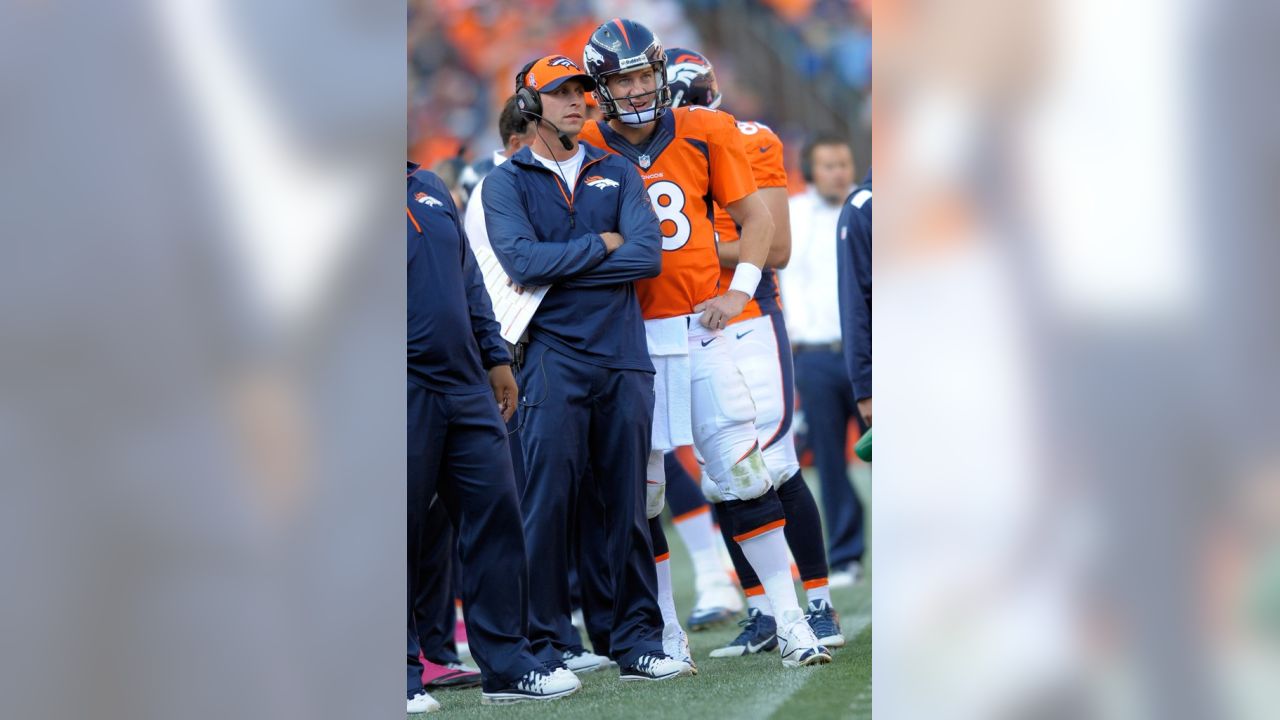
(799, 66)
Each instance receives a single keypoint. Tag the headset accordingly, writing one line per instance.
(806, 152)
(529, 102)
(806, 161)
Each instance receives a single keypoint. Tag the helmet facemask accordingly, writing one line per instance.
(613, 108)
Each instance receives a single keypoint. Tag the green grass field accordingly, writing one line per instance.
(748, 688)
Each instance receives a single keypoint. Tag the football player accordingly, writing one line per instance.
(762, 352)
(688, 158)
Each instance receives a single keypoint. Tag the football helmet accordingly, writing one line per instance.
(692, 79)
(620, 46)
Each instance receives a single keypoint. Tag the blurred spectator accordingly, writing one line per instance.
(799, 66)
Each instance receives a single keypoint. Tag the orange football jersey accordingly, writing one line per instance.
(764, 152)
(694, 160)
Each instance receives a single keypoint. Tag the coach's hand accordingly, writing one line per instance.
(504, 389)
(864, 409)
(720, 310)
(612, 241)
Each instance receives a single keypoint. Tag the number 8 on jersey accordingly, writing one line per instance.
(668, 202)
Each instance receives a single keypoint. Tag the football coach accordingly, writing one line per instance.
(569, 215)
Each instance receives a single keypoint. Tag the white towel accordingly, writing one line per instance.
(668, 340)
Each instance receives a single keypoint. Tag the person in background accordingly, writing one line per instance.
(853, 238)
(516, 132)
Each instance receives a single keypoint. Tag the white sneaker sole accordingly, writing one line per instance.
(831, 641)
(513, 698)
(687, 671)
(815, 659)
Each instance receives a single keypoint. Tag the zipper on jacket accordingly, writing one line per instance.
(568, 198)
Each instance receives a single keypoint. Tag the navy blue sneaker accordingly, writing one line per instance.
(825, 622)
(759, 634)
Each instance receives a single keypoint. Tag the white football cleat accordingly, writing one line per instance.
(718, 601)
(537, 684)
(579, 660)
(655, 666)
(845, 576)
(422, 702)
(797, 644)
(675, 643)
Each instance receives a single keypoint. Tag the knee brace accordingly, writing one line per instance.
(655, 477)
(710, 490)
(782, 461)
(724, 434)
(746, 479)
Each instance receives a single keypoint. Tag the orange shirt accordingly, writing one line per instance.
(693, 161)
(764, 151)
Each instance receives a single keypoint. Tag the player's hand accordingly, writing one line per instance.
(718, 311)
(504, 389)
(612, 241)
(864, 409)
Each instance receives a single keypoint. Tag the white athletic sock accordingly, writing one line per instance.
(708, 572)
(699, 537)
(760, 602)
(666, 601)
(767, 554)
(819, 593)
(695, 531)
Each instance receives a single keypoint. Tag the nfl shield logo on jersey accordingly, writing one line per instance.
(645, 162)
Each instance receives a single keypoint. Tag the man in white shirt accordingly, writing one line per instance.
(516, 132)
(811, 305)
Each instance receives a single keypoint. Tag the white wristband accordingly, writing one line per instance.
(746, 278)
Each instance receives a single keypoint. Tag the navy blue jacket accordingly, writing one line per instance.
(543, 234)
(452, 336)
(853, 251)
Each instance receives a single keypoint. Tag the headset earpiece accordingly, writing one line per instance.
(806, 162)
(528, 101)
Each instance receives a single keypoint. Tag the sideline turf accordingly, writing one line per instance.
(750, 688)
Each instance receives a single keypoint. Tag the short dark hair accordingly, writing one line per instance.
(511, 122)
(822, 139)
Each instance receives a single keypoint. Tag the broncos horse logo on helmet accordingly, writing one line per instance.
(620, 46)
(692, 79)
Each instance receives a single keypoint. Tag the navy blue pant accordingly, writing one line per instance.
(826, 396)
(594, 574)
(433, 607)
(579, 417)
(457, 448)
(517, 453)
